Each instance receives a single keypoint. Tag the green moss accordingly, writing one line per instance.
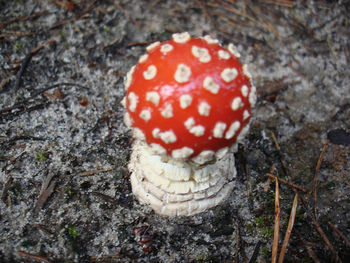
(16, 189)
(265, 252)
(259, 221)
(300, 216)
(28, 243)
(41, 157)
(69, 191)
(106, 206)
(331, 185)
(267, 232)
(106, 29)
(18, 46)
(72, 231)
(63, 34)
(249, 228)
(201, 258)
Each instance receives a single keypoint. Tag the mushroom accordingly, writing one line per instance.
(188, 102)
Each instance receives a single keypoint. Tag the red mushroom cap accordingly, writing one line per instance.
(189, 97)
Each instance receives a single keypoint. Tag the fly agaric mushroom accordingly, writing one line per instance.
(188, 102)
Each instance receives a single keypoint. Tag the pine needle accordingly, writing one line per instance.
(277, 224)
(289, 229)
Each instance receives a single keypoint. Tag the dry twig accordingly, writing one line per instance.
(93, 172)
(308, 248)
(22, 18)
(46, 190)
(269, 179)
(294, 186)
(237, 243)
(24, 65)
(255, 253)
(283, 3)
(325, 239)
(278, 148)
(6, 188)
(33, 256)
(314, 220)
(340, 234)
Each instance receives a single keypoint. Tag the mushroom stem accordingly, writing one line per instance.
(179, 188)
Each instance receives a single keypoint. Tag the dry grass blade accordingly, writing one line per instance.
(277, 224)
(289, 229)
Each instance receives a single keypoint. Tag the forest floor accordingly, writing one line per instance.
(64, 184)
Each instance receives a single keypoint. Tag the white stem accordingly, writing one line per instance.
(176, 188)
